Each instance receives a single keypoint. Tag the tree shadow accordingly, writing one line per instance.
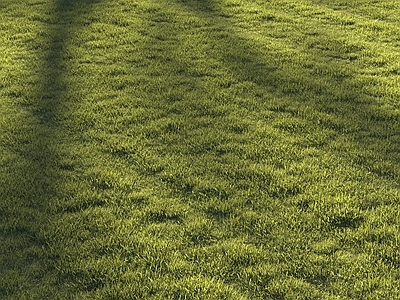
(297, 92)
(322, 89)
(34, 182)
(360, 130)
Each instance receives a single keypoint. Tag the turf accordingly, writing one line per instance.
(215, 149)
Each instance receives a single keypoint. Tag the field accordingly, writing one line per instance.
(199, 149)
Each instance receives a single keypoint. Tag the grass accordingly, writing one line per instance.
(220, 149)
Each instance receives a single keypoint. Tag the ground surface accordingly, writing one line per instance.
(220, 149)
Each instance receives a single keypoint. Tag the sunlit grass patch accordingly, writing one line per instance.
(199, 149)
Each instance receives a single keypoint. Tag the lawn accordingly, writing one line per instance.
(199, 149)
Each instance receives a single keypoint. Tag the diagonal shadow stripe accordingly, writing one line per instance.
(351, 111)
(33, 182)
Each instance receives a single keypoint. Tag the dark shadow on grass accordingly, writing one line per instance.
(362, 132)
(35, 180)
(352, 112)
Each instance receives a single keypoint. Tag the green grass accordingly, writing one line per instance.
(214, 149)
